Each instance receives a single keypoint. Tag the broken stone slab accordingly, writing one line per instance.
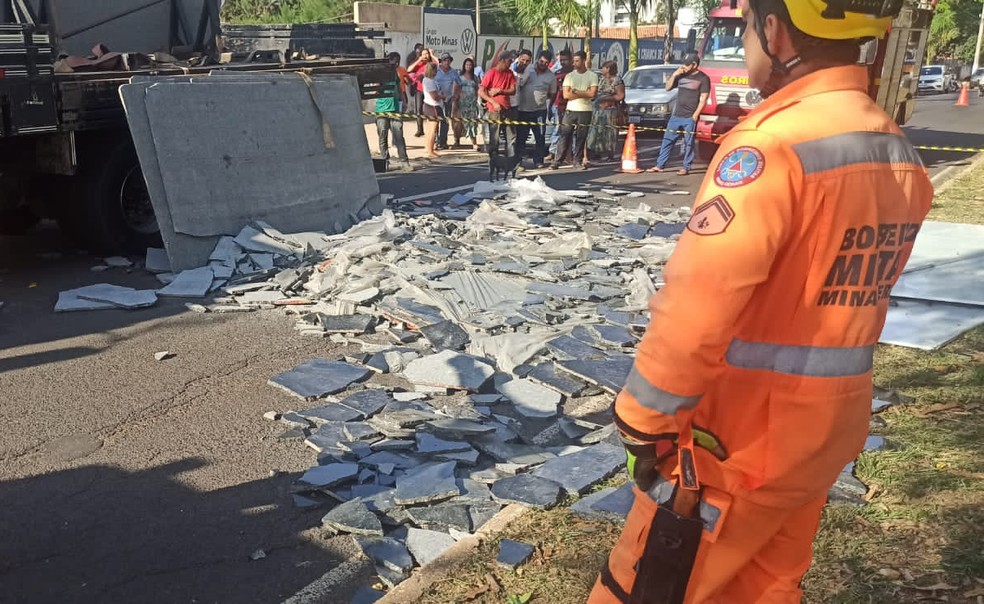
(514, 453)
(528, 490)
(449, 369)
(472, 491)
(326, 438)
(392, 444)
(580, 471)
(318, 378)
(610, 373)
(368, 402)
(406, 418)
(72, 300)
(847, 488)
(548, 375)
(406, 397)
(306, 502)
(563, 291)
(878, 405)
(487, 476)
(387, 552)
(390, 577)
(329, 475)
(120, 297)
(358, 431)
(584, 506)
(481, 513)
(430, 483)
(331, 413)
(441, 517)
(513, 553)
(617, 505)
(614, 335)
(875, 443)
(353, 517)
(366, 595)
(387, 460)
(459, 428)
(430, 444)
(360, 296)
(293, 434)
(609, 432)
(446, 335)
(427, 546)
(575, 428)
(193, 283)
(466, 458)
(356, 324)
(531, 399)
(260, 298)
(163, 355)
(485, 399)
(569, 348)
(366, 491)
(293, 420)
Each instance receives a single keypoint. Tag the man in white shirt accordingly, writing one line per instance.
(580, 89)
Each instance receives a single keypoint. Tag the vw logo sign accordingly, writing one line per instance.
(615, 54)
(467, 41)
(753, 98)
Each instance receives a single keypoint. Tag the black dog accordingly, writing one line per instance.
(502, 164)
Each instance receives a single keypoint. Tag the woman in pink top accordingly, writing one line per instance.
(416, 75)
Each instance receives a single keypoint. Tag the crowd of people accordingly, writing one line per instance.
(570, 110)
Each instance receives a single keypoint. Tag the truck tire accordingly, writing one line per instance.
(16, 216)
(113, 213)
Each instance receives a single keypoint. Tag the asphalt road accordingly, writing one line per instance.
(123, 479)
(937, 122)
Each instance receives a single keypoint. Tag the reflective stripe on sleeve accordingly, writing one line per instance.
(655, 398)
(811, 361)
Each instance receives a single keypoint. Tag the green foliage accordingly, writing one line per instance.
(954, 31)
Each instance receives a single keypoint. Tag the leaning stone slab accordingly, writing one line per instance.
(426, 546)
(387, 552)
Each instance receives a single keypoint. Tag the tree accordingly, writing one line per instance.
(953, 34)
(671, 10)
(635, 7)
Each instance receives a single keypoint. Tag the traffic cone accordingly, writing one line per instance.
(964, 99)
(630, 163)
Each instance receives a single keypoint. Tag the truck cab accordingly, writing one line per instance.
(722, 58)
(893, 64)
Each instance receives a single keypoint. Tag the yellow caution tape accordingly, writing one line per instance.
(507, 122)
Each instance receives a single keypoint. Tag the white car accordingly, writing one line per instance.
(936, 78)
(650, 104)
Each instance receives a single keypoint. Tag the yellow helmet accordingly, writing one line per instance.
(843, 19)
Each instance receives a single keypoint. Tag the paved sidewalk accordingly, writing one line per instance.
(416, 151)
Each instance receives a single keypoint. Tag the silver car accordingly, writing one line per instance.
(650, 104)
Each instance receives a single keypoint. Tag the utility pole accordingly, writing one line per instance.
(980, 34)
(478, 18)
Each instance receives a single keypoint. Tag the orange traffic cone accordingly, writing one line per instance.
(964, 99)
(630, 161)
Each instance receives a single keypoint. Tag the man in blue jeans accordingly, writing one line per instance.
(694, 87)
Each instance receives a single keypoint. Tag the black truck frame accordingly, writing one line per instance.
(65, 150)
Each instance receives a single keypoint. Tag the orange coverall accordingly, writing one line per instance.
(764, 332)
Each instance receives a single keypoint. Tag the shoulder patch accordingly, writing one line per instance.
(711, 218)
(739, 167)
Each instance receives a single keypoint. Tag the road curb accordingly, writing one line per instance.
(411, 590)
(942, 181)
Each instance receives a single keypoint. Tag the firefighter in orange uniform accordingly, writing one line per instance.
(752, 387)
